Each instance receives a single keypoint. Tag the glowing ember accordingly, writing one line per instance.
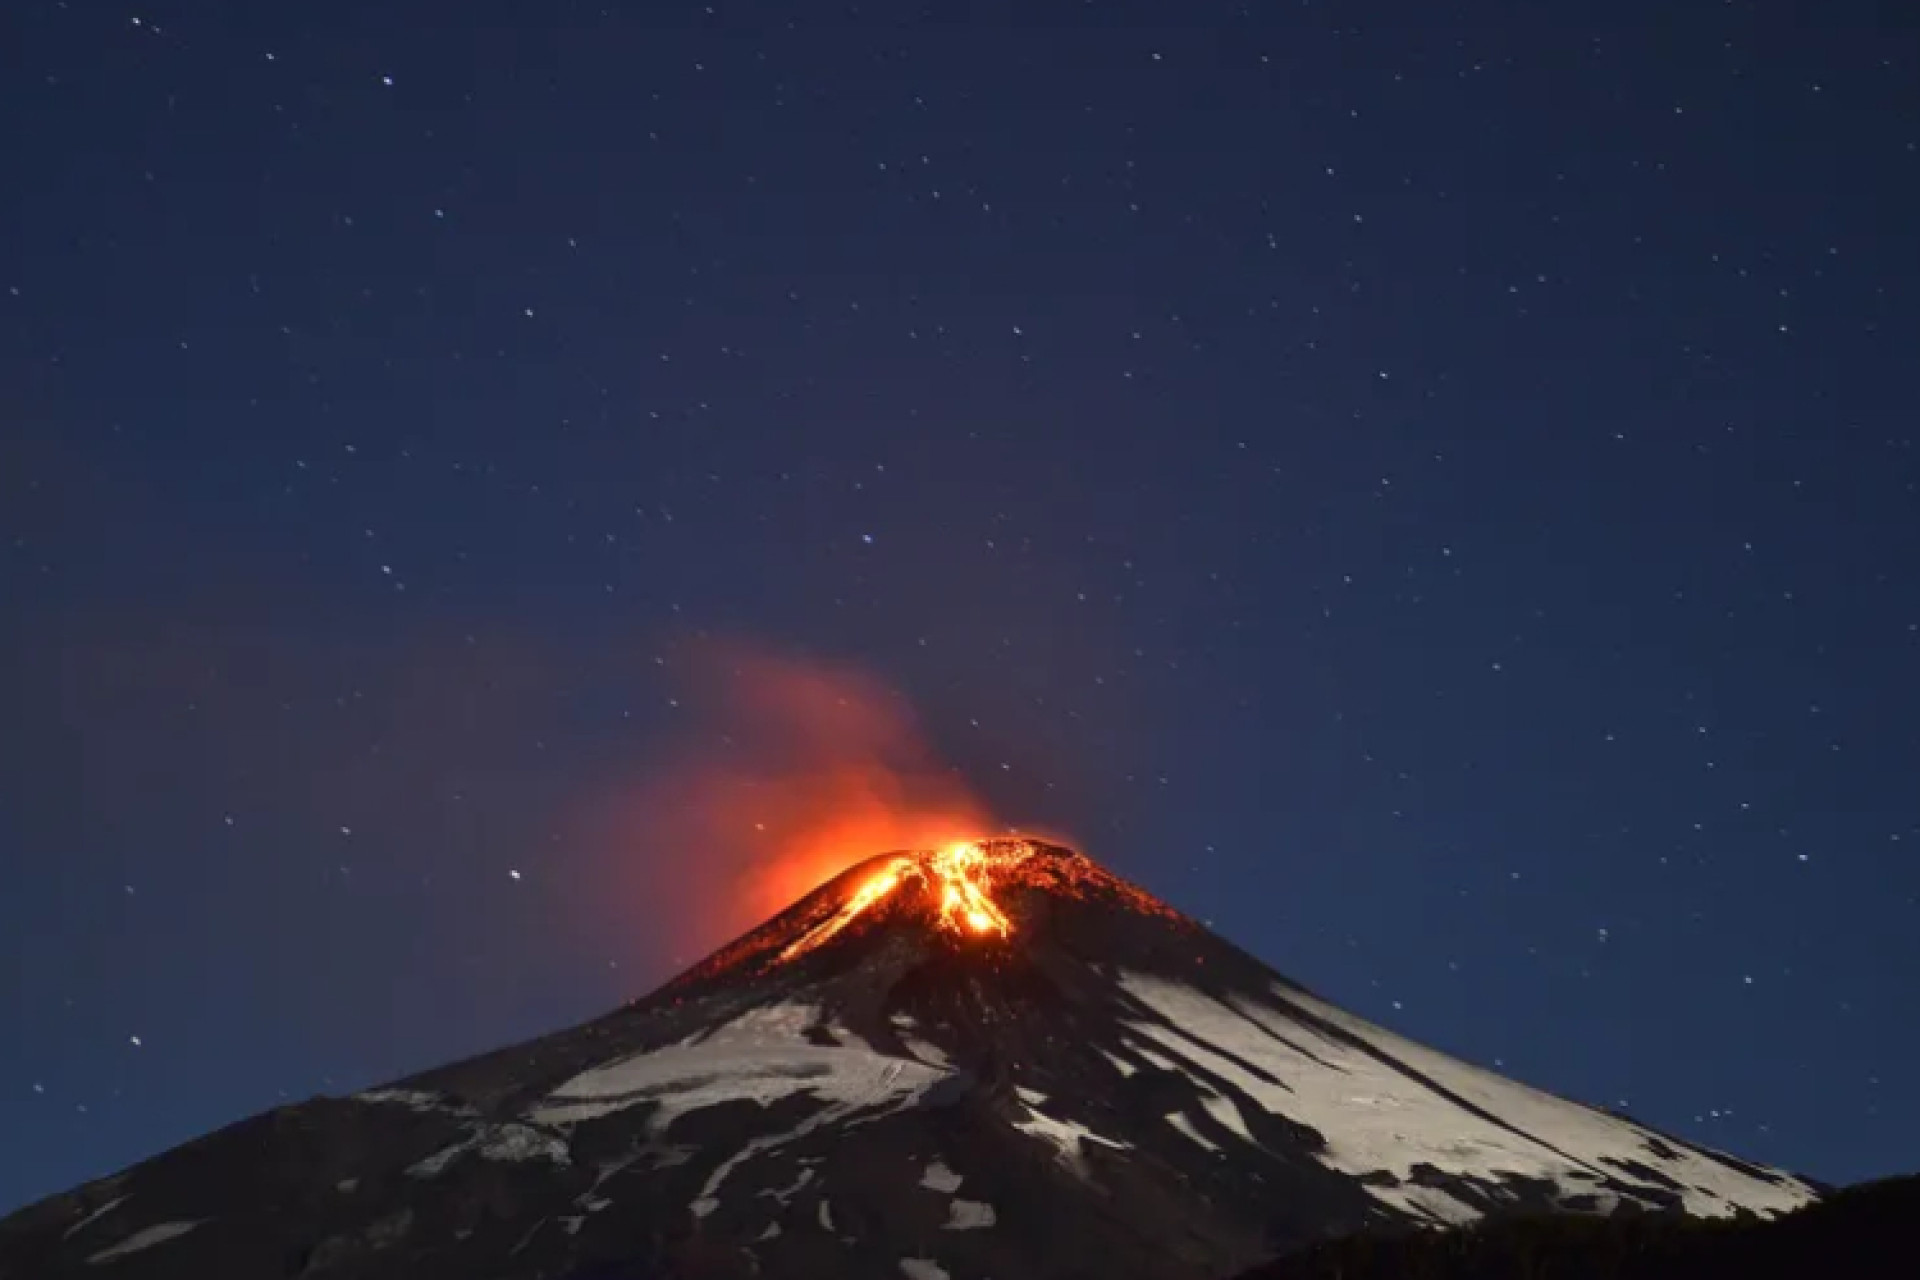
(962, 876)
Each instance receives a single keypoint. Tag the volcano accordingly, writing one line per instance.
(994, 1060)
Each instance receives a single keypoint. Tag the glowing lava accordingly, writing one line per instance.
(957, 889)
(961, 877)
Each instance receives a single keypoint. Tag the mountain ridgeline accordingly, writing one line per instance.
(995, 1060)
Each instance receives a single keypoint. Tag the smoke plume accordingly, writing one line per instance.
(785, 773)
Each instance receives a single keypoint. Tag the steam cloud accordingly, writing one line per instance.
(788, 773)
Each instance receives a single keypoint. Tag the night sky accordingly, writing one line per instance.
(1430, 490)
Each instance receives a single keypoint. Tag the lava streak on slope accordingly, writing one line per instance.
(958, 892)
(960, 878)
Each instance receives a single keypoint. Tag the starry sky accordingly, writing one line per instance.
(1430, 490)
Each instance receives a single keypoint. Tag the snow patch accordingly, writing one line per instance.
(1431, 1203)
(783, 1020)
(1378, 1117)
(922, 1269)
(436, 1164)
(521, 1142)
(1710, 1188)
(1153, 1059)
(1226, 1112)
(772, 1232)
(1119, 1064)
(591, 1201)
(505, 1142)
(686, 1078)
(825, 1214)
(969, 1215)
(1063, 1134)
(938, 1177)
(780, 1195)
(413, 1100)
(866, 1083)
(1180, 1121)
(931, 1054)
(145, 1238)
(93, 1217)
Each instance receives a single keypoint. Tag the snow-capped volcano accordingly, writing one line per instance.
(996, 1060)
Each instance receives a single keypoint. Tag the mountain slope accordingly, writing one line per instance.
(998, 1061)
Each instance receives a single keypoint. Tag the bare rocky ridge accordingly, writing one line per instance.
(1107, 1089)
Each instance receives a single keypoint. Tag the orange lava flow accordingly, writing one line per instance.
(962, 875)
(958, 889)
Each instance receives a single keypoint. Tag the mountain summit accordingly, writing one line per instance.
(992, 1060)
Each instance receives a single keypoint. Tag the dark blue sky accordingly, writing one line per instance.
(1429, 489)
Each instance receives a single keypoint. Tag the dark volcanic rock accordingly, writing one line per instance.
(1106, 1089)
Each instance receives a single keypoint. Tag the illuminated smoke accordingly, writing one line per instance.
(785, 773)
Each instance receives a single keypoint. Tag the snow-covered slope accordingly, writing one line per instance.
(1107, 1089)
(1392, 1110)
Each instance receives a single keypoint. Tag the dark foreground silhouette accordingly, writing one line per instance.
(1862, 1233)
